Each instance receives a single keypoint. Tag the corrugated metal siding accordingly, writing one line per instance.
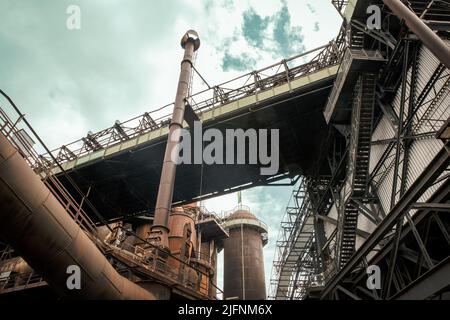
(383, 131)
(420, 155)
(430, 117)
(365, 224)
(398, 96)
(385, 190)
(427, 64)
(329, 227)
(436, 111)
(422, 151)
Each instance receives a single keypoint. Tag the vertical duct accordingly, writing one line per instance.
(159, 231)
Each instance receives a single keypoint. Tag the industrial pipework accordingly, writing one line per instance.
(159, 230)
(38, 227)
(421, 30)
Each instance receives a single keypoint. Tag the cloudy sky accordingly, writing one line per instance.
(125, 61)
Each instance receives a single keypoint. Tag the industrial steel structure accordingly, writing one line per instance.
(385, 201)
(47, 235)
(364, 137)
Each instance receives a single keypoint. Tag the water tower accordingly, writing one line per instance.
(244, 277)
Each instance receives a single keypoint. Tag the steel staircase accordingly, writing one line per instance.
(363, 123)
(356, 39)
(348, 237)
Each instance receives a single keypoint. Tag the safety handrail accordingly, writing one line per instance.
(232, 90)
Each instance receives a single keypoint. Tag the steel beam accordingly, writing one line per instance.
(422, 31)
(440, 162)
(348, 293)
(429, 284)
(432, 206)
(418, 218)
(442, 228)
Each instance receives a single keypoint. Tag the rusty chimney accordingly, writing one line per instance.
(159, 231)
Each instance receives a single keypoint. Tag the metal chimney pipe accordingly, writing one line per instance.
(35, 224)
(439, 48)
(159, 231)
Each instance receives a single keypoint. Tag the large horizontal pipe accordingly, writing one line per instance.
(35, 224)
(421, 30)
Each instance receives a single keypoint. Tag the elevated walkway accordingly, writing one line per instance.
(121, 165)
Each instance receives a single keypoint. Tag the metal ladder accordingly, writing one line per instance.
(348, 237)
(362, 121)
(356, 39)
(364, 132)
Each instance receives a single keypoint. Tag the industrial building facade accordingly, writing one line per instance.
(385, 201)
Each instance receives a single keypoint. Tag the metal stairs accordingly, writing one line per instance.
(363, 127)
(362, 121)
(348, 237)
(356, 39)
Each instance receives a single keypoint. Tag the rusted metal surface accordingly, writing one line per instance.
(35, 223)
(159, 231)
(157, 267)
(422, 31)
(182, 235)
(207, 257)
(243, 261)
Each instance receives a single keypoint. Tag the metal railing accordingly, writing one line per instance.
(251, 83)
(19, 133)
(226, 214)
(201, 257)
(344, 68)
(166, 266)
(340, 5)
(22, 280)
(295, 265)
(298, 209)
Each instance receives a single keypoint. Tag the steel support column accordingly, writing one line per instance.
(440, 162)
(428, 284)
(422, 31)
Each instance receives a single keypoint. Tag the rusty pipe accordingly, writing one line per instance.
(159, 230)
(37, 226)
(431, 40)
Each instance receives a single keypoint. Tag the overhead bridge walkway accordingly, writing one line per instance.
(119, 167)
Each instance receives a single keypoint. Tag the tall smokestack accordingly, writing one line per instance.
(159, 231)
